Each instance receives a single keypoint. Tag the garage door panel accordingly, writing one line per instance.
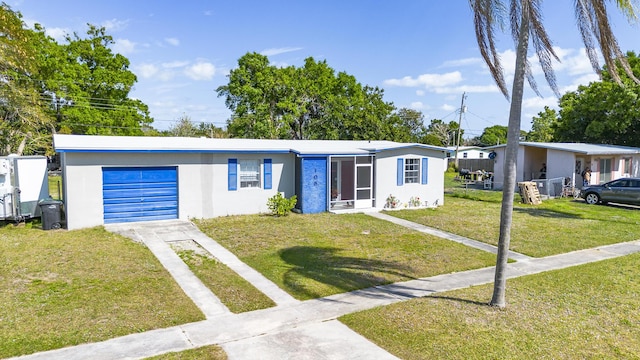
(141, 207)
(140, 194)
(128, 200)
(112, 218)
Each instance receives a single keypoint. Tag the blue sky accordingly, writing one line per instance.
(423, 53)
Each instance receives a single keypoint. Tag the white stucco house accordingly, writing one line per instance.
(111, 179)
(568, 160)
(468, 152)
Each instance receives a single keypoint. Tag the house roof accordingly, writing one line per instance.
(581, 148)
(95, 143)
(463, 148)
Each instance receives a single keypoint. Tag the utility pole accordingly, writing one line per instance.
(462, 110)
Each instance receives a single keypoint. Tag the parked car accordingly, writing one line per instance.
(623, 191)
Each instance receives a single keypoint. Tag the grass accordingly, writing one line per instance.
(201, 353)
(55, 187)
(556, 226)
(63, 288)
(234, 291)
(584, 312)
(317, 255)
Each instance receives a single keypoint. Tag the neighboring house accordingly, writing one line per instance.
(470, 157)
(110, 179)
(568, 160)
(468, 152)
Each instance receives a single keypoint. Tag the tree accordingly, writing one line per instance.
(91, 93)
(407, 125)
(187, 128)
(310, 102)
(542, 126)
(21, 114)
(184, 128)
(526, 27)
(602, 112)
(440, 133)
(494, 135)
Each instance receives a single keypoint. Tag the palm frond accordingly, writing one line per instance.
(539, 39)
(595, 28)
(488, 14)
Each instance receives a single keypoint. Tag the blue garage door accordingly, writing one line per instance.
(139, 194)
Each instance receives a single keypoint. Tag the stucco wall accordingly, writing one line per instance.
(385, 175)
(202, 183)
(561, 164)
(498, 169)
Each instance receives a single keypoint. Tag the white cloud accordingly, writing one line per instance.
(114, 25)
(124, 46)
(447, 107)
(417, 105)
(467, 89)
(462, 62)
(175, 64)
(172, 41)
(200, 71)
(420, 92)
(208, 13)
(146, 70)
(576, 63)
(427, 80)
(58, 34)
(539, 103)
(278, 51)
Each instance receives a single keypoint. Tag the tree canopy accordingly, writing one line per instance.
(78, 87)
(602, 112)
(542, 126)
(21, 112)
(310, 102)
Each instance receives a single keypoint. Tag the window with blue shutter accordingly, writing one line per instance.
(233, 174)
(267, 174)
(400, 173)
(425, 171)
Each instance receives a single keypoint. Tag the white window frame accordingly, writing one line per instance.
(249, 171)
(412, 171)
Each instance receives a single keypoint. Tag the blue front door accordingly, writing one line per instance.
(313, 185)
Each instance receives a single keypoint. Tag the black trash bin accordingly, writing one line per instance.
(51, 213)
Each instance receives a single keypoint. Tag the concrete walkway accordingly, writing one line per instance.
(293, 329)
(449, 236)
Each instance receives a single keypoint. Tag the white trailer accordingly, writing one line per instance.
(23, 182)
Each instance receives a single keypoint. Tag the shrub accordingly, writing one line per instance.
(392, 202)
(280, 205)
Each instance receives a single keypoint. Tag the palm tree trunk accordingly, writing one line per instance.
(511, 157)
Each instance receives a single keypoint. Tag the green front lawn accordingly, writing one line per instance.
(556, 226)
(236, 293)
(62, 288)
(317, 255)
(584, 312)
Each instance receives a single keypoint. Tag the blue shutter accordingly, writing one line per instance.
(400, 173)
(267, 174)
(425, 170)
(233, 174)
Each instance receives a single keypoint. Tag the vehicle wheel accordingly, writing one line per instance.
(576, 194)
(592, 198)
